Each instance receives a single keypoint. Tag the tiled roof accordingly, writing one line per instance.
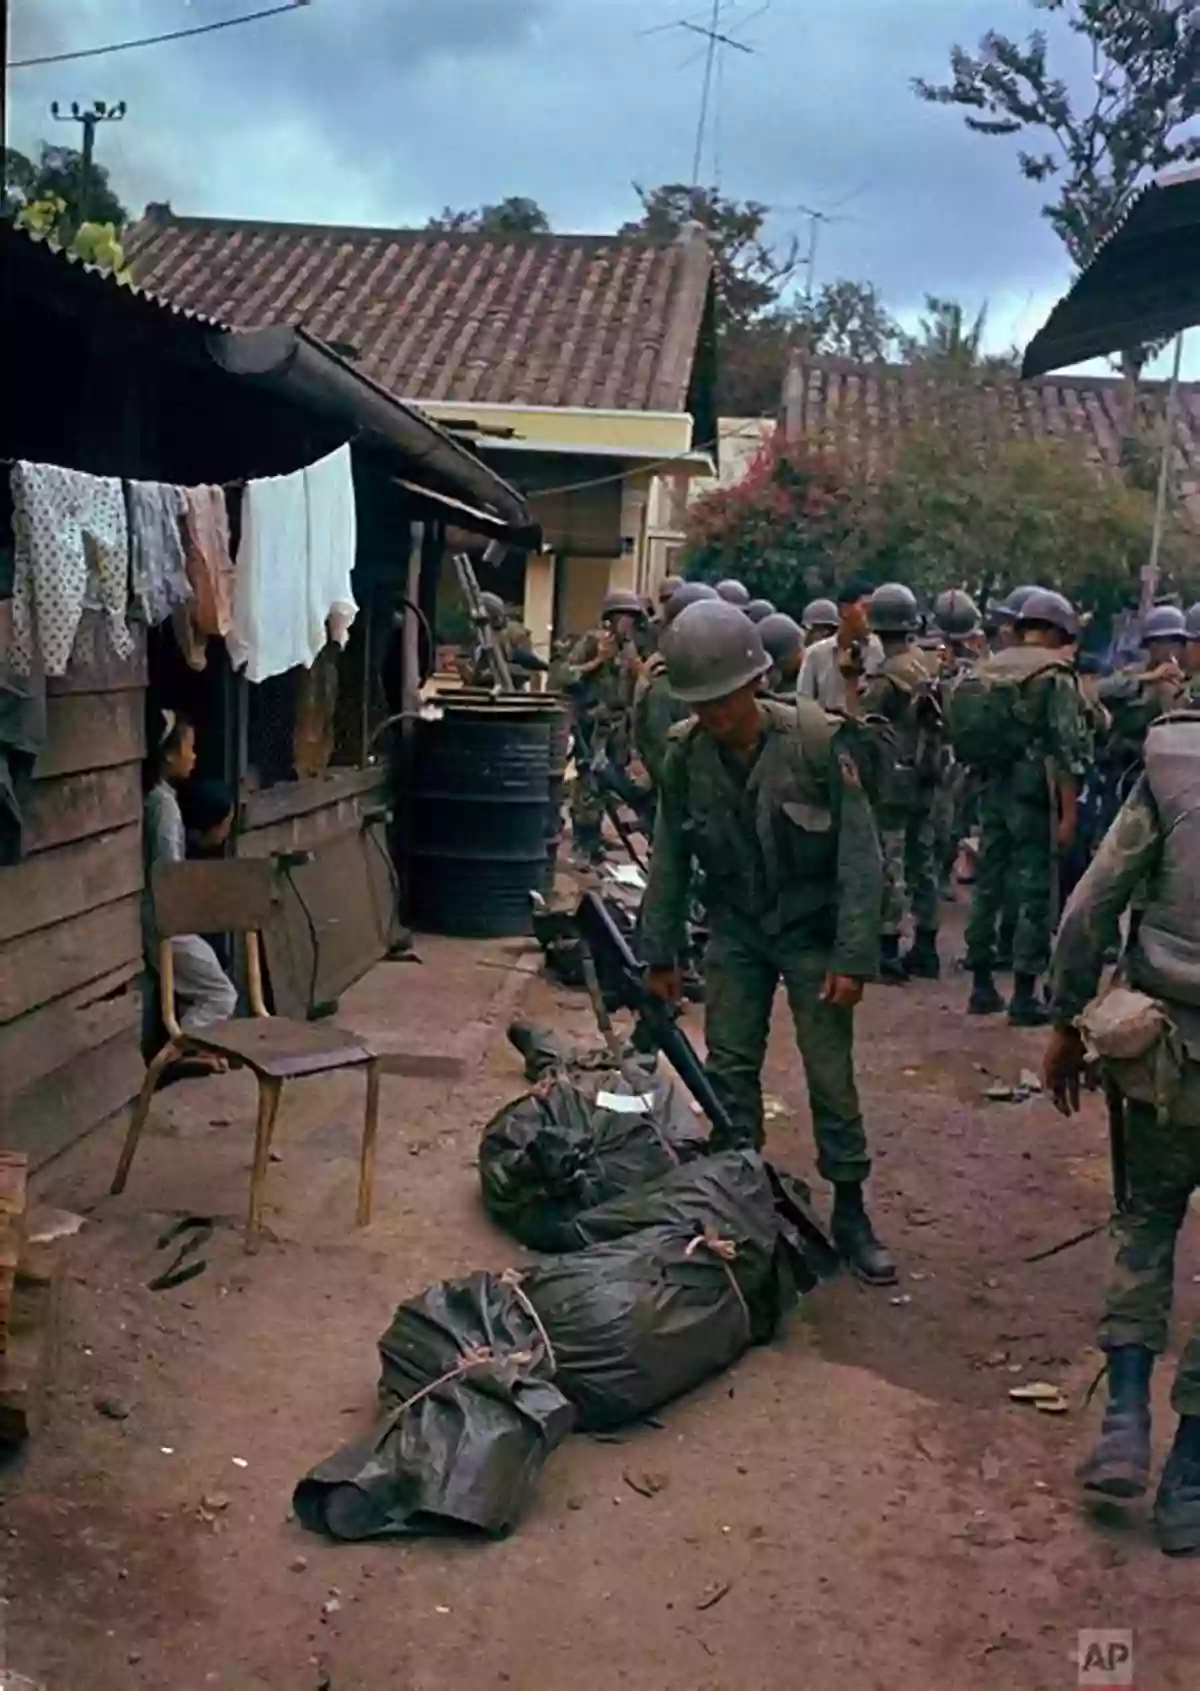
(555, 320)
(861, 413)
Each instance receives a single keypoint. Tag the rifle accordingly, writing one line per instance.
(611, 793)
(626, 977)
(469, 587)
(1117, 1150)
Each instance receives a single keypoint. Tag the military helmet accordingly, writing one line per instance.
(712, 649)
(687, 593)
(820, 613)
(1043, 605)
(622, 601)
(1192, 622)
(1010, 609)
(733, 593)
(892, 609)
(1164, 622)
(494, 608)
(956, 613)
(781, 636)
(759, 609)
(667, 586)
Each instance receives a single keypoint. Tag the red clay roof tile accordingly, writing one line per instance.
(557, 320)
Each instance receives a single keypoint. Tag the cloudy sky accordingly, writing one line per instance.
(383, 111)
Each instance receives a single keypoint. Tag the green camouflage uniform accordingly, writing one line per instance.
(905, 807)
(954, 799)
(1163, 1156)
(513, 636)
(1017, 853)
(793, 882)
(1132, 705)
(656, 710)
(603, 702)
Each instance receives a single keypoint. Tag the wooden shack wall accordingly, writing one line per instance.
(70, 935)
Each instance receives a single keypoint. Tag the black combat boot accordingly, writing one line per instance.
(1177, 1506)
(855, 1238)
(984, 999)
(1025, 1008)
(921, 961)
(1119, 1466)
(891, 969)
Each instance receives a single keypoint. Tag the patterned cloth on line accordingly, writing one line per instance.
(71, 555)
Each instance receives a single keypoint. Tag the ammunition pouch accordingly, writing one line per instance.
(1133, 1038)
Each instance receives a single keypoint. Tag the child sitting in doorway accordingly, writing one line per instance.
(204, 992)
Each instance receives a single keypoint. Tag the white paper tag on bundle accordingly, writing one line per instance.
(625, 1103)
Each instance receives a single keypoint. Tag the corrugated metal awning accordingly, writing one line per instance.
(1143, 285)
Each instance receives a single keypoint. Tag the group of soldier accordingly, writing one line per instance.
(811, 784)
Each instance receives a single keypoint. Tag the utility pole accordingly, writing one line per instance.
(99, 112)
(3, 104)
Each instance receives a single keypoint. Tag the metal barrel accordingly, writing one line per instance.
(481, 785)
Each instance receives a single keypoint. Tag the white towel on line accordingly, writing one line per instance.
(293, 567)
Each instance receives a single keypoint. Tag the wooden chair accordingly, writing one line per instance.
(238, 897)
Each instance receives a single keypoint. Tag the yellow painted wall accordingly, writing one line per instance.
(539, 600)
(586, 581)
(662, 433)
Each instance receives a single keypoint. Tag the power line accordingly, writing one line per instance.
(156, 40)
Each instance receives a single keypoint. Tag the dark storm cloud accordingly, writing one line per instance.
(385, 110)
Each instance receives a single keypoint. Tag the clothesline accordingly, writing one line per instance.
(228, 486)
(151, 550)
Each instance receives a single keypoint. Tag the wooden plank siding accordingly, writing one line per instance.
(77, 806)
(71, 963)
(91, 731)
(53, 961)
(34, 1045)
(53, 886)
(53, 1112)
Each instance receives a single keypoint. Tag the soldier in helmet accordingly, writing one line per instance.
(902, 695)
(783, 641)
(1154, 843)
(667, 586)
(1020, 721)
(513, 641)
(834, 667)
(1006, 614)
(759, 609)
(819, 620)
(656, 710)
(601, 676)
(957, 618)
(768, 801)
(734, 593)
(1136, 696)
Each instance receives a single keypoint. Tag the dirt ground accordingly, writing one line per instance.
(880, 1512)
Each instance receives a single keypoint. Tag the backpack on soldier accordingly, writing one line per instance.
(992, 712)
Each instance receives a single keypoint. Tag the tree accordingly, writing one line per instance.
(515, 215)
(944, 513)
(749, 274)
(949, 345)
(1093, 151)
(57, 175)
(788, 529)
(847, 320)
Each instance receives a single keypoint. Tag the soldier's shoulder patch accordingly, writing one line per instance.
(682, 730)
